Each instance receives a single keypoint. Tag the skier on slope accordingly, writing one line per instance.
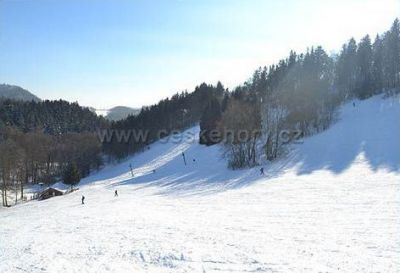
(83, 199)
(115, 193)
(184, 158)
(262, 171)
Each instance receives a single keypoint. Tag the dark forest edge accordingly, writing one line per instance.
(41, 139)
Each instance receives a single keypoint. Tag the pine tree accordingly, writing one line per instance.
(71, 175)
(364, 86)
(209, 122)
(346, 69)
(377, 64)
(352, 65)
(392, 56)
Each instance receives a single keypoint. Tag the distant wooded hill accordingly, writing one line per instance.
(51, 117)
(16, 93)
(121, 112)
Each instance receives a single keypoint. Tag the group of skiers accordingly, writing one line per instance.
(83, 197)
(184, 159)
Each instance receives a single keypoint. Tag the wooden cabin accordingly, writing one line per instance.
(48, 193)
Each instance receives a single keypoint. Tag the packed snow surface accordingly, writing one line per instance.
(331, 205)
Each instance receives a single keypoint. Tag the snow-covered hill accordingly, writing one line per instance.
(332, 205)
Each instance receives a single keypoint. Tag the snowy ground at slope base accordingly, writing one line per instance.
(332, 206)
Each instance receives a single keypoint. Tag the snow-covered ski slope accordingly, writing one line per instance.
(333, 205)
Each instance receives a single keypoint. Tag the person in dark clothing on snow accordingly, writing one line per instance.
(262, 171)
(116, 193)
(184, 158)
(83, 200)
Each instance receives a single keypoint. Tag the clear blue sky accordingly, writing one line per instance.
(113, 52)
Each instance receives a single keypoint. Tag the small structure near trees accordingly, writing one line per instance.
(48, 193)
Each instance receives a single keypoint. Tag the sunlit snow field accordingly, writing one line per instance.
(331, 205)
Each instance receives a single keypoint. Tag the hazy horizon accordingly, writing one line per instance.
(104, 54)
